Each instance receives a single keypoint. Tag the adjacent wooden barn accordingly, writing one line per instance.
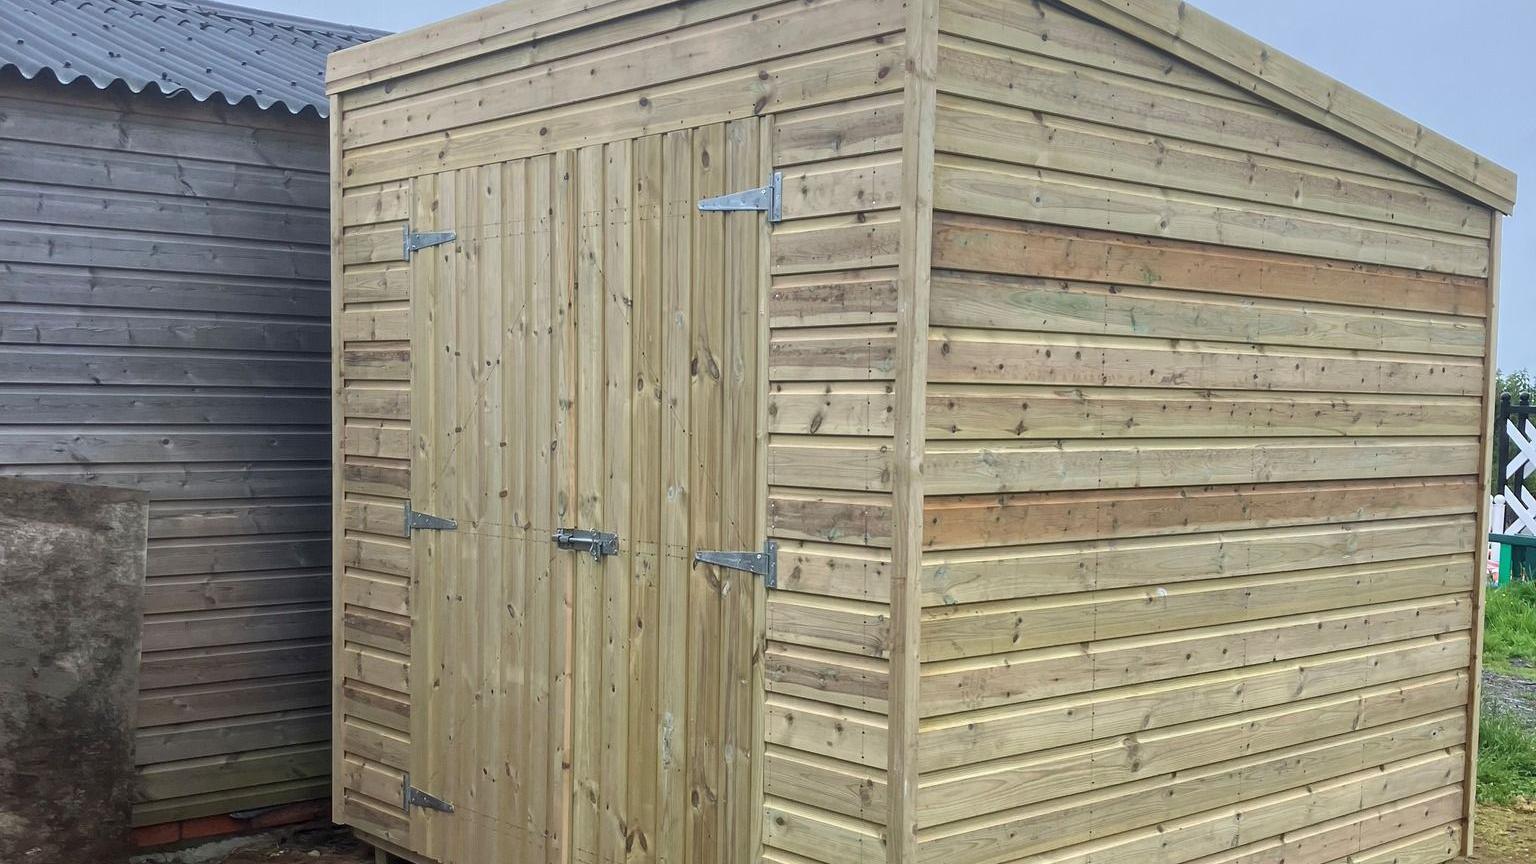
(1110, 390)
(164, 327)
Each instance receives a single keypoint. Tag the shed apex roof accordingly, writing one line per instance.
(1172, 25)
(201, 48)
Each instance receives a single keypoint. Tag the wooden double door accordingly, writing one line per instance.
(588, 354)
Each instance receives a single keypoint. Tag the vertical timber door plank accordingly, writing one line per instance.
(563, 224)
(677, 176)
(618, 456)
(541, 614)
(590, 511)
(460, 668)
(424, 453)
(517, 409)
(649, 495)
(737, 513)
(759, 593)
(705, 507)
(494, 540)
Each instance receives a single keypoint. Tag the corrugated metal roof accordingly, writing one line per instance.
(200, 48)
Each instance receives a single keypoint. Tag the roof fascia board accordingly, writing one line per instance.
(1234, 56)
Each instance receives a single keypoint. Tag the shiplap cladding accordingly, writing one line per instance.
(164, 326)
(1206, 386)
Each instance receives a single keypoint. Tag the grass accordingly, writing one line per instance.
(1506, 767)
(1506, 760)
(1509, 630)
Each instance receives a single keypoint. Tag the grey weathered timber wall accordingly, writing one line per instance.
(72, 575)
(164, 326)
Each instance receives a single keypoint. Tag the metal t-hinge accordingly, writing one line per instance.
(415, 240)
(599, 543)
(764, 563)
(416, 798)
(415, 520)
(769, 198)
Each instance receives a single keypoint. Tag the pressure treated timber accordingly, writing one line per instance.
(1118, 420)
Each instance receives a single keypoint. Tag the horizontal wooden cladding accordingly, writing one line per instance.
(812, 726)
(240, 734)
(162, 174)
(837, 678)
(1385, 833)
(825, 783)
(830, 243)
(109, 248)
(197, 666)
(44, 364)
(833, 409)
(1002, 679)
(995, 411)
(972, 521)
(807, 833)
(384, 202)
(1417, 755)
(1227, 821)
(1030, 81)
(52, 203)
(854, 128)
(836, 299)
(80, 285)
(1051, 31)
(970, 630)
(852, 626)
(865, 67)
(961, 468)
(993, 733)
(978, 576)
(851, 185)
(987, 188)
(833, 517)
(752, 36)
(856, 353)
(376, 283)
(1048, 251)
(1009, 357)
(1017, 136)
(972, 300)
(987, 411)
(1053, 774)
(958, 468)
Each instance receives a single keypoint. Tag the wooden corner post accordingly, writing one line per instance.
(913, 275)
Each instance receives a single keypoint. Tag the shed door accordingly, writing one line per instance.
(587, 357)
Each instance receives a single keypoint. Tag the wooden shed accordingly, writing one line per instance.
(1108, 391)
(164, 327)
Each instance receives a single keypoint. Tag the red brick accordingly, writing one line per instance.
(293, 814)
(156, 835)
(210, 826)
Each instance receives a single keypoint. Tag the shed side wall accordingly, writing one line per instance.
(1205, 401)
(162, 289)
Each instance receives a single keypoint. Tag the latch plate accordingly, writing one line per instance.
(414, 797)
(768, 198)
(415, 240)
(415, 520)
(598, 543)
(764, 563)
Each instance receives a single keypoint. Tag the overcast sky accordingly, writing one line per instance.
(1465, 69)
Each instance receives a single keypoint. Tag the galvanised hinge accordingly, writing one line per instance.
(415, 520)
(768, 198)
(416, 798)
(415, 240)
(764, 563)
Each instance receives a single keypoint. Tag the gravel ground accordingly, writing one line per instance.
(1515, 695)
